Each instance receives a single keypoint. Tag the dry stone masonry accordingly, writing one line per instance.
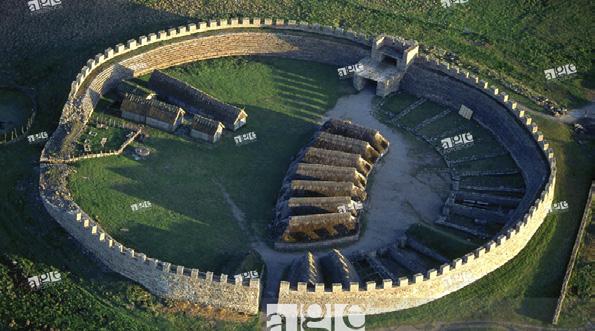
(286, 38)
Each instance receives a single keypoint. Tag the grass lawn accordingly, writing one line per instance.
(190, 222)
(15, 109)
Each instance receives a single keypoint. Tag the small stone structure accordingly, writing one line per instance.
(425, 77)
(387, 64)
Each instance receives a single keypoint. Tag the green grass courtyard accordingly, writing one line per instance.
(190, 222)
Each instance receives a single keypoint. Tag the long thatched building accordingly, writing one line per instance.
(318, 226)
(196, 101)
(305, 270)
(327, 189)
(348, 129)
(335, 158)
(309, 171)
(336, 142)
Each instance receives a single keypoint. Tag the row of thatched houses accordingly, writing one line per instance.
(325, 184)
(167, 100)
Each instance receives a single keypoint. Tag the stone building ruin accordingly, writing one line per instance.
(385, 67)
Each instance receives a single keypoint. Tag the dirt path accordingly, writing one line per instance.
(399, 193)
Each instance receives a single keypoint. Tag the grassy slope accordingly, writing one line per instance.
(190, 222)
(57, 45)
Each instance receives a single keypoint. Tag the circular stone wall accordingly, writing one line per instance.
(308, 42)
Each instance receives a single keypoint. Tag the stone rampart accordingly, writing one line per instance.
(282, 38)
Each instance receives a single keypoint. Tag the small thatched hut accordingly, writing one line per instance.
(336, 158)
(305, 270)
(311, 188)
(338, 269)
(336, 142)
(326, 172)
(206, 129)
(152, 112)
(348, 129)
(195, 101)
(318, 226)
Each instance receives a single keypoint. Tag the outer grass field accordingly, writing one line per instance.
(190, 221)
(15, 109)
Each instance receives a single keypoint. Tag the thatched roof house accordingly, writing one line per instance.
(311, 188)
(152, 112)
(348, 129)
(305, 270)
(326, 172)
(313, 226)
(299, 206)
(318, 205)
(206, 129)
(345, 144)
(196, 101)
(336, 158)
(338, 269)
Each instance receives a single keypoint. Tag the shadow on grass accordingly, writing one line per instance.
(187, 209)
